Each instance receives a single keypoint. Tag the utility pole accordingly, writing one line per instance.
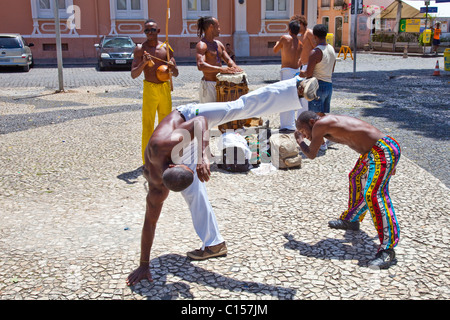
(356, 8)
(58, 46)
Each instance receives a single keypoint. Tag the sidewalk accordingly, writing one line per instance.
(73, 202)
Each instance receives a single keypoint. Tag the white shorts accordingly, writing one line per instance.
(207, 91)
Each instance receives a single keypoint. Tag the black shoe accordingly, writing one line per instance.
(344, 224)
(383, 259)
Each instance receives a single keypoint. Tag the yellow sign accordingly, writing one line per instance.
(412, 25)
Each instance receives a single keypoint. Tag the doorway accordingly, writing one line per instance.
(338, 23)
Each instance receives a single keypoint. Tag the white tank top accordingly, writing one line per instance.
(324, 69)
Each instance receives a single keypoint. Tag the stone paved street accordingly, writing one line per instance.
(72, 197)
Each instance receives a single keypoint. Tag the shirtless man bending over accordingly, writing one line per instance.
(369, 179)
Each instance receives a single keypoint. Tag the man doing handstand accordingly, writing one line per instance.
(165, 170)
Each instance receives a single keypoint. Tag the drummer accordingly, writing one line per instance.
(156, 95)
(210, 54)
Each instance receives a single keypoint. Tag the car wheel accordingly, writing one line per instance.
(100, 66)
(26, 68)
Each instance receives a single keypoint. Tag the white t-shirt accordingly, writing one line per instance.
(324, 69)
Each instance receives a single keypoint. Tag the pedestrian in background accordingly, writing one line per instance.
(321, 64)
(230, 52)
(437, 37)
(291, 49)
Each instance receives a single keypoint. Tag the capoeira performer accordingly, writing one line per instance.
(188, 174)
(369, 179)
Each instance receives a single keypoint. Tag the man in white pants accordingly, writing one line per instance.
(291, 48)
(165, 170)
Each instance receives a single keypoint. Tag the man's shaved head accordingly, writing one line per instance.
(177, 178)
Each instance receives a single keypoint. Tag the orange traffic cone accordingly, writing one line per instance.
(436, 69)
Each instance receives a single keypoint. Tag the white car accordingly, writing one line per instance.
(15, 51)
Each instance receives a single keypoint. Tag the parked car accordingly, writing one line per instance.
(115, 51)
(15, 51)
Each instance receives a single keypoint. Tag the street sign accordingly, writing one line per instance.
(358, 4)
(430, 9)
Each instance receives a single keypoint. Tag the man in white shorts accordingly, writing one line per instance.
(209, 56)
(290, 47)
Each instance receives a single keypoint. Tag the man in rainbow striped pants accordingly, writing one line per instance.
(369, 179)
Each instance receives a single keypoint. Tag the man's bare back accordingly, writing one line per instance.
(357, 134)
(159, 148)
(307, 39)
(158, 153)
(291, 49)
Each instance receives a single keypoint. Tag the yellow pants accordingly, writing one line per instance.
(156, 97)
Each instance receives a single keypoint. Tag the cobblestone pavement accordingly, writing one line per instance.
(72, 196)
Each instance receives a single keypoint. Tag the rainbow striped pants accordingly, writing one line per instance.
(369, 190)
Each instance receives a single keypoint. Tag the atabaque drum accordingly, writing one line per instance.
(230, 87)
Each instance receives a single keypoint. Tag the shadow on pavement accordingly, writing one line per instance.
(131, 177)
(19, 122)
(354, 246)
(181, 267)
(415, 99)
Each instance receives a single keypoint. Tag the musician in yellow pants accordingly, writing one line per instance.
(156, 98)
(149, 57)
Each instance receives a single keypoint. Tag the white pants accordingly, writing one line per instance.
(203, 217)
(287, 118)
(279, 96)
(275, 98)
(207, 91)
(303, 101)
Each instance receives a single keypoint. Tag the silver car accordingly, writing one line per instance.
(15, 51)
